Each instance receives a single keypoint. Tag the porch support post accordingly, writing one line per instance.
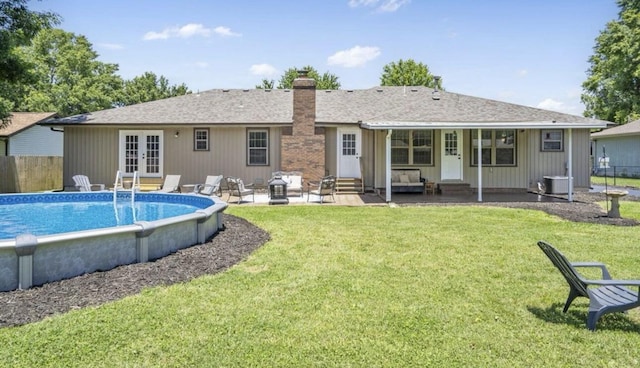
(479, 165)
(570, 164)
(387, 167)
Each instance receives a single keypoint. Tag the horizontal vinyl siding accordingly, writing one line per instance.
(622, 151)
(36, 141)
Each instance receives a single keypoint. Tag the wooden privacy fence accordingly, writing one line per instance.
(23, 174)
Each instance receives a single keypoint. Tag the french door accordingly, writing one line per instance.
(141, 151)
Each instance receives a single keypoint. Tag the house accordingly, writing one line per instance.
(618, 150)
(30, 154)
(459, 142)
(24, 137)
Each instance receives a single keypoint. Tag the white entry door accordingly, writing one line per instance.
(141, 151)
(349, 145)
(451, 155)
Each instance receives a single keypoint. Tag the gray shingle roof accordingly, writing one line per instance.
(235, 106)
(257, 106)
(632, 128)
(415, 104)
(20, 121)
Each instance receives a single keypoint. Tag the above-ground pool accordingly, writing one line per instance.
(47, 237)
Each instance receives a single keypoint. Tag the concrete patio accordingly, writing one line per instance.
(373, 199)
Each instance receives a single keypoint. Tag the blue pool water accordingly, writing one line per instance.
(53, 213)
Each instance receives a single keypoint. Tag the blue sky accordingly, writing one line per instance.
(532, 53)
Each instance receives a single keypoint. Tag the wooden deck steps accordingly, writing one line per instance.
(349, 186)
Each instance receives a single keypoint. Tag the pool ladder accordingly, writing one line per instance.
(119, 185)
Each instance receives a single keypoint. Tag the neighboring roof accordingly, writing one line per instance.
(20, 121)
(375, 108)
(632, 128)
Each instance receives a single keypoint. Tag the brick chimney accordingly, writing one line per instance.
(303, 147)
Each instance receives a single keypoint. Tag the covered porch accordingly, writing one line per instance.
(464, 153)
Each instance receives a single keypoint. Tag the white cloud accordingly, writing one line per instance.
(193, 29)
(554, 105)
(264, 70)
(111, 46)
(550, 104)
(354, 57)
(226, 32)
(188, 31)
(523, 72)
(156, 35)
(201, 64)
(385, 6)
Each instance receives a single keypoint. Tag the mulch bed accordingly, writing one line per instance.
(231, 245)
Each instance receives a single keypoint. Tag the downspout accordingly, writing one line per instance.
(479, 165)
(387, 167)
(570, 165)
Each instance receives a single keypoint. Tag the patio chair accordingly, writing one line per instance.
(327, 186)
(605, 295)
(211, 186)
(84, 185)
(171, 184)
(238, 189)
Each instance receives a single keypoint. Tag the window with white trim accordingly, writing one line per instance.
(201, 139)
(412, 147)
(257, 147)
(498, 147)
(551, 140)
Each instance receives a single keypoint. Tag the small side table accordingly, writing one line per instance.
(187, 188)
(614, 195)
(430, 187)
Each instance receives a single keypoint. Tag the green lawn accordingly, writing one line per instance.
(621, 182)
(455, 286)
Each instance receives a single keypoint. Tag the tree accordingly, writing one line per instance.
(325, 81)
(612, 89)
(266, 84)
(18, 25)
(67, 77)
(149, 87)
(408, 73)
